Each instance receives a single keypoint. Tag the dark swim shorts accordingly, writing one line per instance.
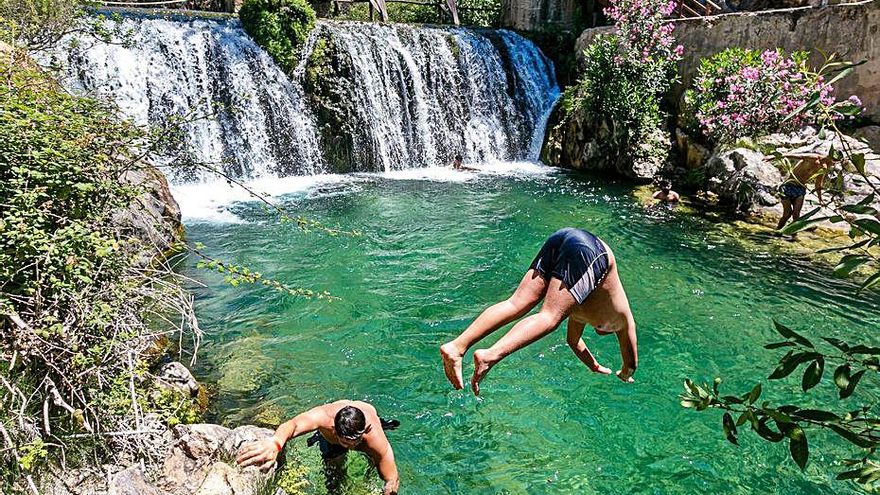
(793, 191)
(328, 450)
(577, 258)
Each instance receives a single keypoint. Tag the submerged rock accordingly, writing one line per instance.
(177, 377)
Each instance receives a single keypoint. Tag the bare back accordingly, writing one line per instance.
(607, 308)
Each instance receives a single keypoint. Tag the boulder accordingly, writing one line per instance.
(743, 178)
(693, 153)
(131, 481)
(202, 461)
(176, 376)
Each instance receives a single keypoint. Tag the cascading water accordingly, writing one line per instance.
(412, 96)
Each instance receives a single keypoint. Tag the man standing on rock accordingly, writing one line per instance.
(339, 427)
(575, 273)
(809, 167)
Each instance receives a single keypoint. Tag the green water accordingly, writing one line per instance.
(434, 254)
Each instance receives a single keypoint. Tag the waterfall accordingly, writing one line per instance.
(401, 97)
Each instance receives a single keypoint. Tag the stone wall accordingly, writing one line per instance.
(541, 15)
(850, 30)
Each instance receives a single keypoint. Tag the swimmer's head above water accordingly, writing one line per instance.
(351, 426)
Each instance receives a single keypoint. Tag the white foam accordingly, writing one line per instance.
(211, 202)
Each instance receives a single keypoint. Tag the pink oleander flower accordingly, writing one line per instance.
(855, 100)
(751, 74)
(770, 57)
(678, 51)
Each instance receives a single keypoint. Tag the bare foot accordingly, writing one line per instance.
(452, 364)
(482, 364)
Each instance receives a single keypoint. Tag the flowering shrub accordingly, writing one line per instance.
(739, 93)
(626, 75)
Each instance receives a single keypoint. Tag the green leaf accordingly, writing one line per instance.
(851, 436)
(851, 386)
(841, 376)
(870, 282)
(790, 362)
(813, 374)
(859, 209)
(765, 432)
(870, 225)
(798, 446)
(849, 263)
(729, 428)
(754, 394)
(841, 345)
(803, 224)
(777, 345)
(791, 334)
(858, 160)
(856, 473)
(816, 415)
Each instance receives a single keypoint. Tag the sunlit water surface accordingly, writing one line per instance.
(436, 248)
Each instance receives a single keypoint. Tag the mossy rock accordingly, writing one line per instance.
(328, 84)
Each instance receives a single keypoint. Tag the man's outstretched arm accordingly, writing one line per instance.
(387, 469)
(263, 452)
(579, 347)
(629, 351)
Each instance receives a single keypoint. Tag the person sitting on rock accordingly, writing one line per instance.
(339, 427)
(666, 194)
(575, 273)
(809, 167)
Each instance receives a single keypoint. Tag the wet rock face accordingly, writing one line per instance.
(585, 143)
(153, 217)
(328, 84)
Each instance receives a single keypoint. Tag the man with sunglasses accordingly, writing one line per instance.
(339, 427)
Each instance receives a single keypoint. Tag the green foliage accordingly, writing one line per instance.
(74, 302)
(32, 455)
(478, 13)
(624, 79)
(279, 26)
(626, 95)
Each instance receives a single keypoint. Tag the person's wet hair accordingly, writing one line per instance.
(350, 423)
(458, 157)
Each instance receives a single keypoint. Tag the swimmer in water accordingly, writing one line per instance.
(457, 165)
(339, 427)
(575, 273)
(666, 194)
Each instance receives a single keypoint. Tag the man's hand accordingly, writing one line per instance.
(261, 453)
(625, 375)
(391, 487)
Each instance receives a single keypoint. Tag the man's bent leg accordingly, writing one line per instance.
(526, 296)
(786, 213)
(558, 304)
(796, 206)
